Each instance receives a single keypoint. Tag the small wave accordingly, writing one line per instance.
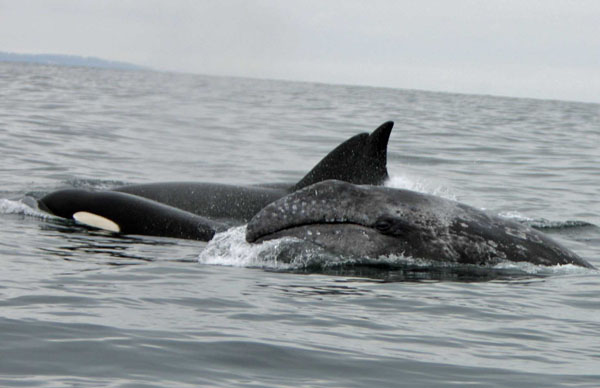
(515, 216)
(26, 206)
(542, 223)
(542, 270)
(559, 225)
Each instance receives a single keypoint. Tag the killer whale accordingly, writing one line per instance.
(128, 214)
(362, 159)
(197, 210)
(375, 221)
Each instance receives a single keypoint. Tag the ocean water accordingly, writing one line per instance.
(86, 308)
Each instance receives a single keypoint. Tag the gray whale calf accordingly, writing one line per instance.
(375, 221)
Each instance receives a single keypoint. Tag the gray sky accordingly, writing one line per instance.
(524, 48)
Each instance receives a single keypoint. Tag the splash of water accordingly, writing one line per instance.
(420, 185)
(230, 248)
(26, 206)
(542, 270)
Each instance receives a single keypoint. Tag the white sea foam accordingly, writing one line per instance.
(542, 270)
(515, 215)
(25, 206)
(229, 248)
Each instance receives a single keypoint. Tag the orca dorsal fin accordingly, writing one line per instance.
(361, 160)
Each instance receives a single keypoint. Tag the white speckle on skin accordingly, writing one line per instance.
(515, 233)
(521, 248)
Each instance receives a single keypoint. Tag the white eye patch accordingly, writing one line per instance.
(96, 221)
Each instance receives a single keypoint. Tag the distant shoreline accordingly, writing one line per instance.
(68, 60)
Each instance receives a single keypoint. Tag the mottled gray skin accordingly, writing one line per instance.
(372, 221)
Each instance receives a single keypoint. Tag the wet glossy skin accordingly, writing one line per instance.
(374, 221)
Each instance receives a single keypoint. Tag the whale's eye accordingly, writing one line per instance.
(383, 225)
(392, 226)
